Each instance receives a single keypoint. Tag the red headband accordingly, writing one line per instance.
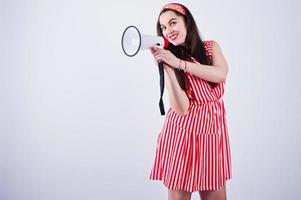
(174, 6)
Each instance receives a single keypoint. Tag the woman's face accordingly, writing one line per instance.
(173, 27)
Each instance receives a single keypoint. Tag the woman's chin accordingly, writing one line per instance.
(175, 43)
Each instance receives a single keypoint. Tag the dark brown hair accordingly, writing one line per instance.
(193, 46)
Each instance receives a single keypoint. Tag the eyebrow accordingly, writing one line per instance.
(169, 21)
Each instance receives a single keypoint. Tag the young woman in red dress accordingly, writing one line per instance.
(193, 151)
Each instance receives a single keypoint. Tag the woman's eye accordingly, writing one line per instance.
(172, 23)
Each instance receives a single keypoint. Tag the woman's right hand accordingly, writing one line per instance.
(154, 52)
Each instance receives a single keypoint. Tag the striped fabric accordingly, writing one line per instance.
(193, 151)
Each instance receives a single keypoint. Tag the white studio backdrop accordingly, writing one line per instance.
(79, 119)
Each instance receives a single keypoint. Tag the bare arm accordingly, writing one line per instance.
(216, 73)
(178, 99)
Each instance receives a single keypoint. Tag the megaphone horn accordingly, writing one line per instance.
(132, 41)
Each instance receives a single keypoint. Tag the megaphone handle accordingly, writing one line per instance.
(161, 73)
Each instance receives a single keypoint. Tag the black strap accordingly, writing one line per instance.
(161, 73)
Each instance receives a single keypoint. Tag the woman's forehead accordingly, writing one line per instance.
(165, 17)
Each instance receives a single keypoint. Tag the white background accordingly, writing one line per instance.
(79, 119)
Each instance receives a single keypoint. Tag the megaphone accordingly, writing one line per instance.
(132, 41)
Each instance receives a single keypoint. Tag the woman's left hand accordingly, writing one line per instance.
(166, 56)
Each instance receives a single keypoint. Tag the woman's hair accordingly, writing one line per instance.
(193, 46)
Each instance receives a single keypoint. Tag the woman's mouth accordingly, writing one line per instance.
(173, 36)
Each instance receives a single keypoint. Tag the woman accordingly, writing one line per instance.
(193, 152)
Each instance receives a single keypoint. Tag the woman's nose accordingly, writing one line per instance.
(168, 30)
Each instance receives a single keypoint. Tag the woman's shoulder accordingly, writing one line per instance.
(210, 43)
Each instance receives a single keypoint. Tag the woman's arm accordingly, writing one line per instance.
(178, 99)
(216, 73)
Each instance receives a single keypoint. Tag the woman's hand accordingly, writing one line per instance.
(166, 56)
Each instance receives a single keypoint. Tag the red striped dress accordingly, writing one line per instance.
(193, 151)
